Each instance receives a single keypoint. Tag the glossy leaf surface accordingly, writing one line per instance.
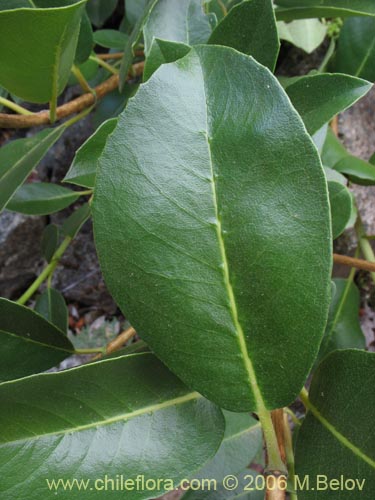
(343, 329)
(43, 62)
(41, 198)
(51, 305)
(356, 48)
(218, 220)
(83, 169)
(250, 27)
(318, 98)
(341, 207)
(183, 21)
(89, 420)
(305, 9)
(29, 343)
(335, 436)
(19, 158)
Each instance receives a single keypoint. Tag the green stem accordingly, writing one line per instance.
(104, 65)
(100, 350)
(85, 193)
(364, 244)
(81, 79)
(274, 462)
(15, 107)
(289, 454)
(78, 117)
(47, 271)
(293, 416)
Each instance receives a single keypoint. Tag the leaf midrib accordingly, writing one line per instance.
(366, 58)
(113, 420)
(33, 341)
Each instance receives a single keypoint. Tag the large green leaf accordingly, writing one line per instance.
(250, 27)
(127, 416)
(306, 34)
(356, 48)
(343, 329)
(303, 9)
(29, 343)
(83, 169)
(161, 52)
(210, 208)
(34, 67)
(183, 21)
(241, 443)
(337, 438)
(19, 158)
(41, 198)
(318, 98)
(51, 305)
(340, 201)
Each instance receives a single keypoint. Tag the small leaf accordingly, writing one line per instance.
(228, 248)
(318, 98)
(127, 414)
(161, 52)
(183, 21)
(41, 198)
(43, 62)
(85, 40)
(19, 158)
(306, 34)
(338, 431)
(83, 169)
(51, 305)
(341, 207)
(355, 53)
(111, 39)
(333, 150)
(357, 170)
(100, 10)
(343, 329)
(241, 443)
(74, 222)
(127, 58)
(29, 343)
(302, 9)
(50, 241)
(244, 29)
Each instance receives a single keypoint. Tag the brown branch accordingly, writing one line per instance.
(275, 492)
(118, 55)
(75, 106)
(117, 343)
(365, 265)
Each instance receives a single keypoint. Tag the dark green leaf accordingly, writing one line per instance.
(341, 207)
(250, 27)
(19, 158)
(29, 343)
(75, 221)
(304, 9)
(51, 305)
(100, 10)
(343, 329)
(50, 241)
(132, 41)
(337, 437)
(161, 52)
(124, 415)
(85, 40)
(359, 171)
(372, 159)
(134, 10)
(241, 443)
(183, 21)
(356, 48)
(41, 198)
(34, 67)
(212, 217)
(318, 98)
(83, 169)
(111, 39)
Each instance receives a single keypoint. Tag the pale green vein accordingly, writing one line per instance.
(340, 437)
(38, 343)
(113, 420)
(366, 58)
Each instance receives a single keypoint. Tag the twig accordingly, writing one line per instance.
(353, 262)
(117, 343)
(75, 106)
(118, 55)
(274, 490)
